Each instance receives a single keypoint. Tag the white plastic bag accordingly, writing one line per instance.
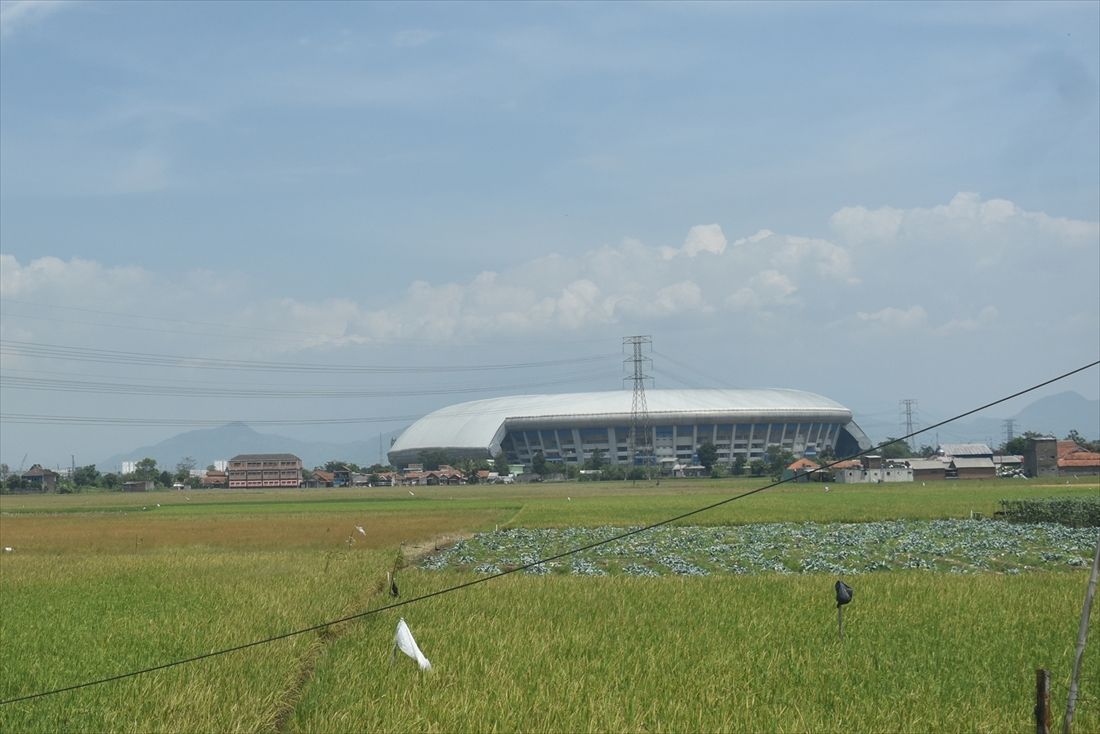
(404, 642)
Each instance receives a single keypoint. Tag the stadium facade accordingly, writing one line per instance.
(568, 428)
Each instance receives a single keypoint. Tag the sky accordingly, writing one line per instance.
(327, 219)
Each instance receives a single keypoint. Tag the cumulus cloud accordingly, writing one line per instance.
(880, 260)
(967, 221)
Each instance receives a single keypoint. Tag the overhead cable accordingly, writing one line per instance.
(516, 569)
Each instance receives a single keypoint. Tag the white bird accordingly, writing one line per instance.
(158, 504)
(361, 530)
(826, 487)
(187, 498)
(8, 549)
(568, 499)
(403, 641)
(411, 492)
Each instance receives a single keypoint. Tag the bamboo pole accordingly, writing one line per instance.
(1082, 637)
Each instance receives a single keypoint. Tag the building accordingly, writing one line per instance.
(215, 478)
(925, 470)
(1041, 457)
(1074, 459)
(801, 470)
(978, 467)
(965, 451)
(264, 470)
(569, 428)
(875, 470)
(39, 479)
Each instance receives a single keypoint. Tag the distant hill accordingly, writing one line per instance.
(1059, 414)
(1054, 414)
(208, 445)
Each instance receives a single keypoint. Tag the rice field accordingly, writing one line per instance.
(97, 585)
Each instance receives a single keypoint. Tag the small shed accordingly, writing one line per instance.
(976, 468)
(925, 470)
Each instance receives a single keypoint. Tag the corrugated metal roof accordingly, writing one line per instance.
(265, 457)
(481, 423)
(964, 463)
(965, 449)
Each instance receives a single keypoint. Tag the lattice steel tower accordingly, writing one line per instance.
(641, 439)
(908, 411)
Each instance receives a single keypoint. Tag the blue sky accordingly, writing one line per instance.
(870, 201)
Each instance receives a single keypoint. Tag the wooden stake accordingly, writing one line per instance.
(1082, 637)
(1042, 701)
(840, 621)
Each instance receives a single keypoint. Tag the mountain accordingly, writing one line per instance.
(1059, 414)
(1053, 415)
(208, 445)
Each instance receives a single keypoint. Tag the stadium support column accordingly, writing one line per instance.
(641, 446)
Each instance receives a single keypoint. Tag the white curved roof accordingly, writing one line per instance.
(481, 424)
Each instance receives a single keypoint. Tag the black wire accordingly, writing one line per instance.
(485, 579)
(114, 356)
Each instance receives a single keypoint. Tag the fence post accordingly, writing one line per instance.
(1082, 637)
(1042, 701)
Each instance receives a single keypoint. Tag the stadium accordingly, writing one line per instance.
(568, 428)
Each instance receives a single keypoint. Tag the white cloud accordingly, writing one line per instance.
(967, 221)
(894, 318)
(18, 14)
(783, 280)
(983, 319)
(54, 277)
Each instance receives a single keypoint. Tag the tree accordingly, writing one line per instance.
(708, 455)
(776, 458)
(349, 466)
(738, 468)
(595, 460)
(1018, 445)
(757, 468)
(500, 464)
(435, 458)
(897, 450)
(183, 469)
(538, 464)
(164, 479)
(110, 480)
(926, 451)
(5, 471)
(86, 476)
(1077, 438)
(825, 455)
(146, 470)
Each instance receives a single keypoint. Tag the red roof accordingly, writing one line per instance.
(803, 465)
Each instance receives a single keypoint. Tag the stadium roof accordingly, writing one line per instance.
(481, 424)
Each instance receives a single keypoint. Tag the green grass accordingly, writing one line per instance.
(923, 652)
(97, 586)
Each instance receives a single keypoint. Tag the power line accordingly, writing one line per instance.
(112, 356)
(548, 559)
(165, 390)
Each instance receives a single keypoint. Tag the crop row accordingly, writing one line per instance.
(955, 546)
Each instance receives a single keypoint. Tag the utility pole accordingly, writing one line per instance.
(1009, 425)
(640, 431)
(907, 409)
